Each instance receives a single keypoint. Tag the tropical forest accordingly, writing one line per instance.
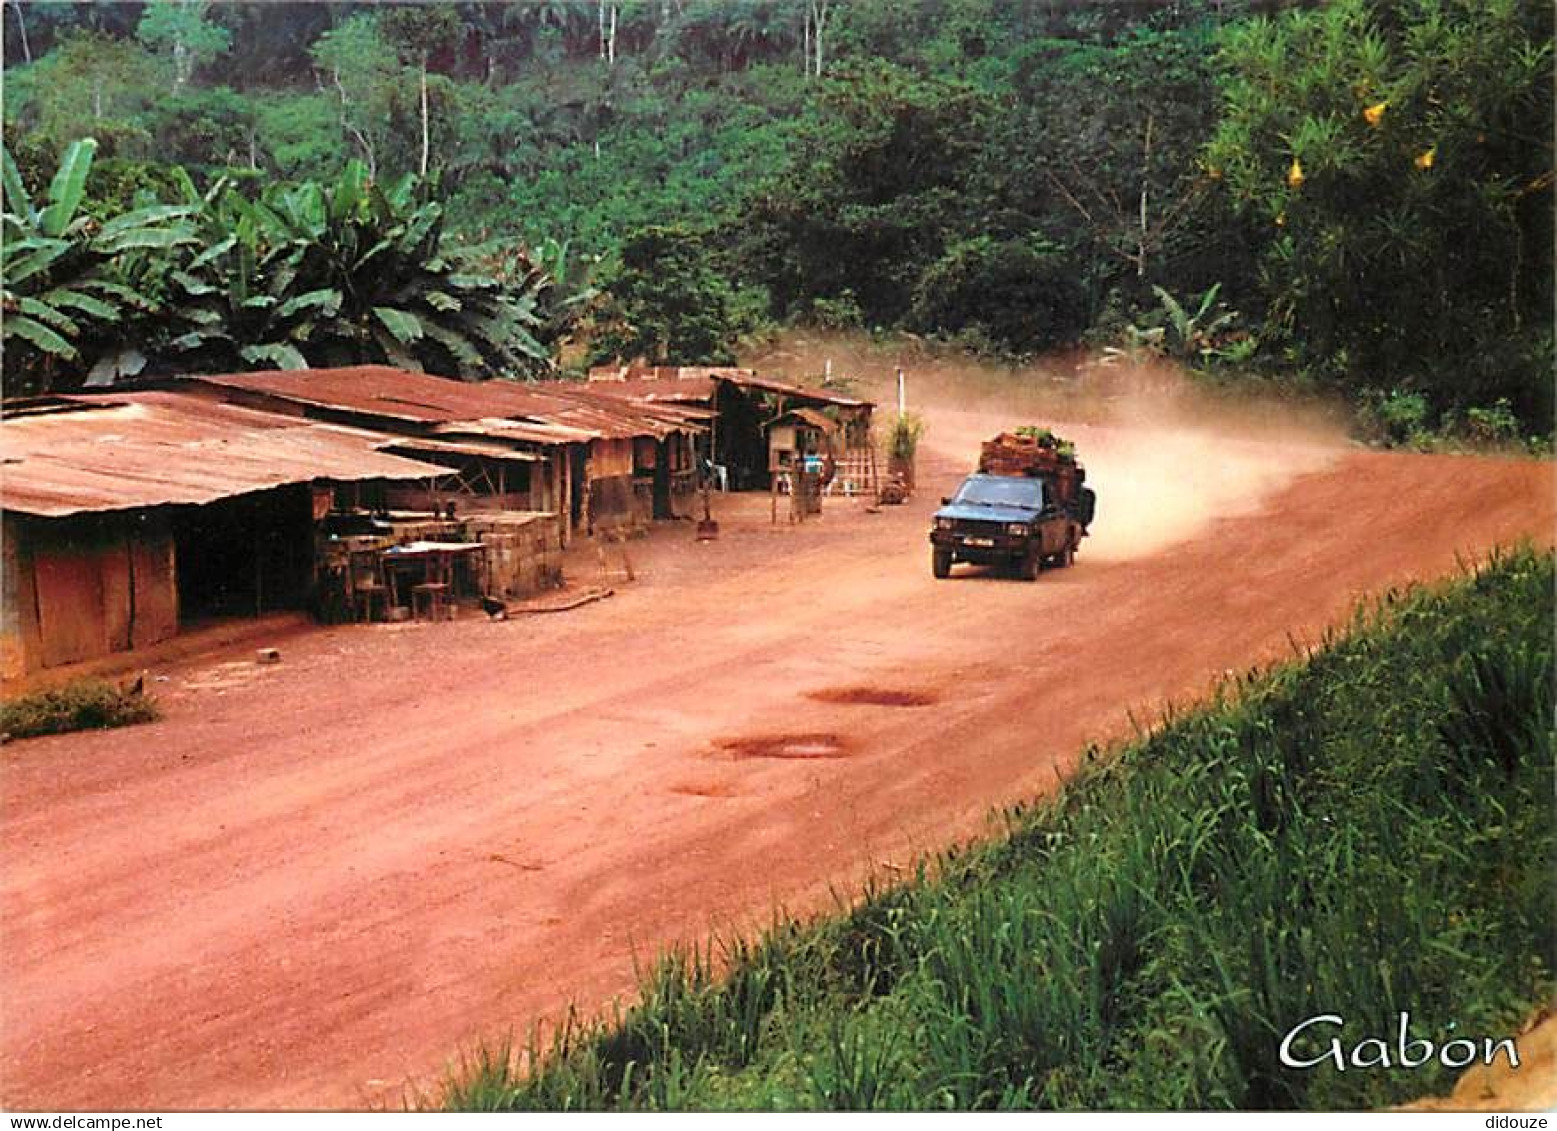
(1351, 199)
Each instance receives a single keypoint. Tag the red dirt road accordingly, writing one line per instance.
(312, 884)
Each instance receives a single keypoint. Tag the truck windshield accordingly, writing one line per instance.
(1001, 492)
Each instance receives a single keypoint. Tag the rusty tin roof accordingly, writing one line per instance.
(80, 454)
(438, 402)
(697, 384)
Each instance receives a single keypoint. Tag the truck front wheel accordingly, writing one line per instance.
(1030, 565)
(940, 562)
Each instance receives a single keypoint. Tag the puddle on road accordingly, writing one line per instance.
(795, 746)
(873, 696)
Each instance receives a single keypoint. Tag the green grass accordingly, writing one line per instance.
(85, 705)
(1362, 831)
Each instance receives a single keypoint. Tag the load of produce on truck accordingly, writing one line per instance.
(1032, 451)
(1025, 507)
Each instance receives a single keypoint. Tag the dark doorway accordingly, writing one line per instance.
(578, 460)
(244, 556)
(662, 507)
(742, 443)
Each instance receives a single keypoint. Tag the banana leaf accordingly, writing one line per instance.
(40, 260)
(43, 312)
(406, 327)
(86, 304)
(143, 237)
(144, 217)
(278, 354)
(16, 198)
(326, 300)
(38, 334)
(68, 186)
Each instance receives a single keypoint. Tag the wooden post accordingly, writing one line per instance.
(565, 495)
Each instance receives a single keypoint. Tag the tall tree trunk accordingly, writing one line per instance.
(1146, 162)
(425, 140)
(182, 67)
(819, 11)
(611, 38)
(361, 138)
(21, 27)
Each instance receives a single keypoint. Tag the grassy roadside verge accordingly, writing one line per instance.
(91, 704)
(1361, 833)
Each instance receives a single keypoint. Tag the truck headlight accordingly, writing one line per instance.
(1016, 529)
(943, 524)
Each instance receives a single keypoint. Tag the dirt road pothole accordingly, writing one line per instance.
(703, 789)
(873, 696)
(798, 746)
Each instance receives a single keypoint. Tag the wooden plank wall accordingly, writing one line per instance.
(81, 588)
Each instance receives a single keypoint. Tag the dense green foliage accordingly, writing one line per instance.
(290, 276)
(72, 285)
(1014, 177)
(669, 302)
(1363, 832)
(85, 705)
(1400, 160)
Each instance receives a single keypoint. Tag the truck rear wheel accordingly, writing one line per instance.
(1066, 556)
(940, 562)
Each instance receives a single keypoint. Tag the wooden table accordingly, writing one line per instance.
(436, 561)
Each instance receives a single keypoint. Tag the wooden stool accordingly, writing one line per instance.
(436, 594)
(366, 595)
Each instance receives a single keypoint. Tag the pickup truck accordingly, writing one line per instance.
(1020, 511)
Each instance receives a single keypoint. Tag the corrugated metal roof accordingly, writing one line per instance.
(129, 450)
(698, 384)
(812, 417)
(522, 431)
(394, 394)
(417, 444)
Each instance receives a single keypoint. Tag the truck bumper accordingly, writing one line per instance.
(981, 551)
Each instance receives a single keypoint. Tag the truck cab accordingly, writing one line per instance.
(1017, 521)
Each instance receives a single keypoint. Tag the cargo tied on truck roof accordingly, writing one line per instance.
(1025, 508)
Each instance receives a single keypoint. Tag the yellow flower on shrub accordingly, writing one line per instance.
(1375, 113)
(1424, 161)
(1295, 175)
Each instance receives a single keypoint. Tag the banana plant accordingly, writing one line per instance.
(69, 286)
(343, 274)
(562, 287)
(1196, 336)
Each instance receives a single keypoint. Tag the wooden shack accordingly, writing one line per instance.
(741, 409)
(130, 516)
(549, 446)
